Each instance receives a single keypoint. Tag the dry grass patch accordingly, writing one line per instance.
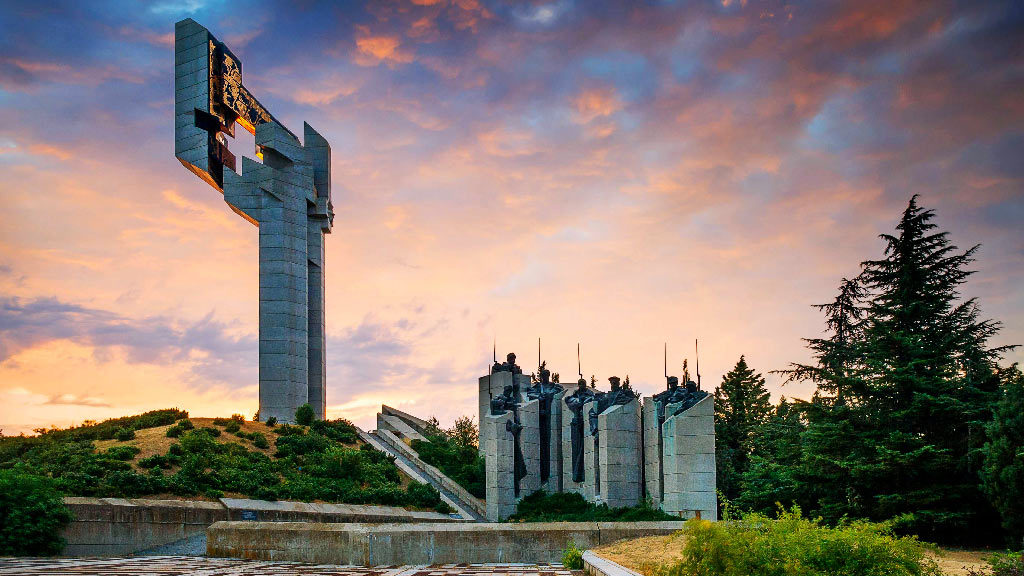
(151, 441)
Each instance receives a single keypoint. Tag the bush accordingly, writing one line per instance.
(271, 422)
(572, 557)
(452, 453)
(304, 415)
(220, 421)
(32, 515)
(105, 430)
(423, 495)
(792, 544)
(571, 507)
(124, 434)
(233, 426)
(238, 418)
(123, 453)
(259, 440)
(211, 432)
(1003, 565)
(180, 428)
(157, 461)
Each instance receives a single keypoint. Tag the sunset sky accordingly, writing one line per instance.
(616, 174)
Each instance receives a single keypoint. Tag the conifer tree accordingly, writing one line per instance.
(773, 475)
(1003, 471)
(741, 405)
(928, 377)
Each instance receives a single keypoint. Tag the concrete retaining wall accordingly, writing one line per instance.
(396, 544)
(117, 526)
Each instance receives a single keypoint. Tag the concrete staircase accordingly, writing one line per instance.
(395, 432)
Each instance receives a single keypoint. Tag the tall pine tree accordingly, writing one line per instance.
(929, 381)
(741, 405)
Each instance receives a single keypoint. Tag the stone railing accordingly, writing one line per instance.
(452, 486)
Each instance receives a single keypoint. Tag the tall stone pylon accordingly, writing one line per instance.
(287, 196)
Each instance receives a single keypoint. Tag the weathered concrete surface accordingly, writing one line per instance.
(391, 544)
(689, 462)
(594, 565)
(117, 526)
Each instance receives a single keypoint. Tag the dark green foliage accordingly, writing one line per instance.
(774, 472)
(105, 430)
(791, 544)
(423, 495)
(124, 434)
(221, 421)
(272, 421)
(122, 453)
(1003, 471)
(454, 452)
(741, 406)
(180, 428)
(289, 430)
(906, 385)
(232, 427)
(571, 507)
(318, 463)
(32, 515)
(304, 415)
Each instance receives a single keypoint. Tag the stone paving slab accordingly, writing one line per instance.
(181, 565)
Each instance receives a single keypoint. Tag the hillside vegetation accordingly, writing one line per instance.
(165, 454)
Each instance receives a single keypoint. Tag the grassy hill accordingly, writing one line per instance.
(166, 454)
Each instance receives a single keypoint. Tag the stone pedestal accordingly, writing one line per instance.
(499, 447)
(554, 482)
(688, 453)
(591, 490)
(529, 417)
(619, 453)
(652, 453)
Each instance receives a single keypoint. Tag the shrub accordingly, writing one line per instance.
(1011, 564)
(792, 544)
(259, 440)
(304, 415)
(571, 507)
(156, 461)
(180, 428)
(124, 434)
(423, 495)
(122, 453)
(233, 426)
(272, 421)
(211, 432)
(220, 421)
(32, 514)
(453, 454)
(572, 557)
(289, 430)
(105, 430)
(339, 430)
(238, 418)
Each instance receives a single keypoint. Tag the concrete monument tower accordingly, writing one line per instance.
(287, 196)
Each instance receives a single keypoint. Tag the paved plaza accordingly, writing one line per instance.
(197, 566)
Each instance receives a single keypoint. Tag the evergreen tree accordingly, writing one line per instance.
(773, 475)
(928, 377)
(1003, 471)
(741, 405)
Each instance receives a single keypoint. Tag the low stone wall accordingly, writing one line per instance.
(118, 526)
(396, 544)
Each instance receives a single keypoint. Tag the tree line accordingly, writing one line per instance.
(913, 420)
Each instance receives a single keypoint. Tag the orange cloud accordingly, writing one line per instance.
(376, 49)
(596, 103)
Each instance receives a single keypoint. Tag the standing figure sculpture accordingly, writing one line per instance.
(509, 401)
(576, 404)
(287, 196)
(619, 395)
(544, 391)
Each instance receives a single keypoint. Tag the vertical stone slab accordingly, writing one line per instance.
(554, 483)
(591, 491)
(689, 452)
(652, 452)
(620, 454)
(529, 417)
(500, 490)
(318, 210)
